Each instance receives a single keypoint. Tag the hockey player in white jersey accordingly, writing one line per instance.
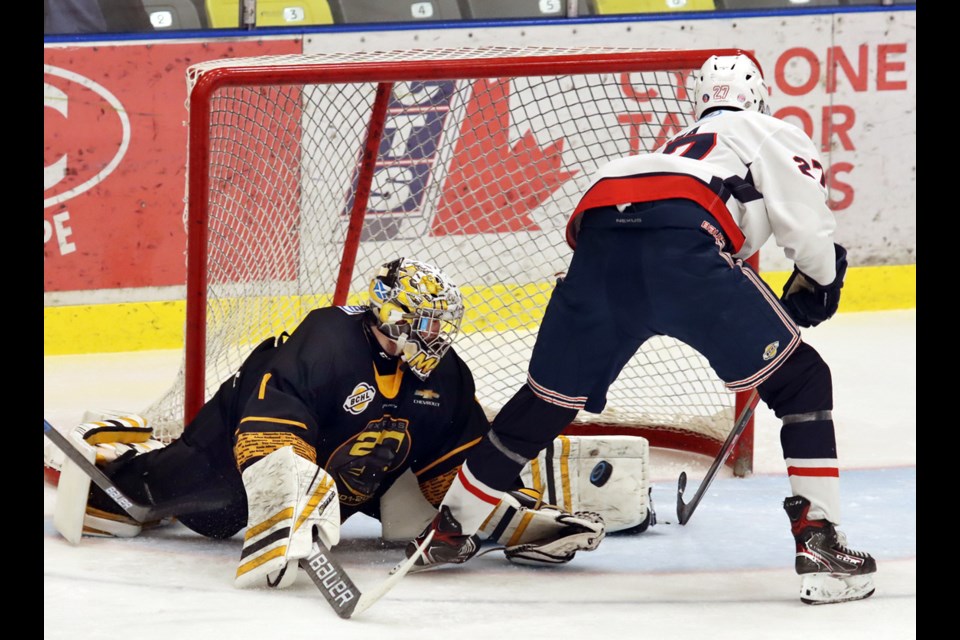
(659, 241)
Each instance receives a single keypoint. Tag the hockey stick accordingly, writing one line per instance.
(685, 510)
(140, 512)
(340, 590)
(327, 574)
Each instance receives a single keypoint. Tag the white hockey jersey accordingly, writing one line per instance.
(756, 174)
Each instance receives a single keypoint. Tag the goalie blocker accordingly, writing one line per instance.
(289, 500)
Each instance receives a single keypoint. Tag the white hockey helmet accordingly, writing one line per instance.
(730, 81)
(418, 306)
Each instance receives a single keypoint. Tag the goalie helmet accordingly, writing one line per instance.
(416, 305)
(730, 81)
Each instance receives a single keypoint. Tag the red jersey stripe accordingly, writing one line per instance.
(648, 188)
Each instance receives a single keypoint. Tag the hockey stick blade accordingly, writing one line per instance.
(685, 509)
(142, 513)
(336, 586)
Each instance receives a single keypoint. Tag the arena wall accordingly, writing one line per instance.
(115, 148)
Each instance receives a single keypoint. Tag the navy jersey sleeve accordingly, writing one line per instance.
(284, 407)
(468, 426)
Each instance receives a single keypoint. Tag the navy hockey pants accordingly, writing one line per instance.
(654, 270)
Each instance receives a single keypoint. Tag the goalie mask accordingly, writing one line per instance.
(416, 305)
(730, 81)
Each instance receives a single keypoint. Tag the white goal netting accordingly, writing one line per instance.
(308, 172)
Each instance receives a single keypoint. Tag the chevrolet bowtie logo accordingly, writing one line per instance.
(427, 394)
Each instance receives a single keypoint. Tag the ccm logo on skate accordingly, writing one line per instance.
(845, 558)
(601, 473)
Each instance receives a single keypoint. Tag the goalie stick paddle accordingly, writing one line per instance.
(685, 509)
(339, 589)
(142, 513)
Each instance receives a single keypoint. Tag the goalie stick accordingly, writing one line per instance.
(339, 589)
(685, 509)
(324, 570)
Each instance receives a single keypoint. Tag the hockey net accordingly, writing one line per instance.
(307, 172)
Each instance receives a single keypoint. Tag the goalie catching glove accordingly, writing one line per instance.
(288, 497)
(114, 437)
(102, 442)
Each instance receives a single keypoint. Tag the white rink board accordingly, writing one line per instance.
(870, 147)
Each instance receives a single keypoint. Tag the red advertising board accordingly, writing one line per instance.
(114, 160)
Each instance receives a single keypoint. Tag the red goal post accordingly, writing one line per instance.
(305, 172)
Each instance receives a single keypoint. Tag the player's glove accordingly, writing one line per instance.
(361, 476)
(810, 303)
(112, 437)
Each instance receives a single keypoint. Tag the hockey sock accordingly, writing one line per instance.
(800, 393)
(470, 501)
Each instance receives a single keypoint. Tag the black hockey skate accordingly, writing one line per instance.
(449, 545)
(830, 571)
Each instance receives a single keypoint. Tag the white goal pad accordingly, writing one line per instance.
(608, 475)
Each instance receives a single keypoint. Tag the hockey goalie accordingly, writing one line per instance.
(361, 409)
(567, 499)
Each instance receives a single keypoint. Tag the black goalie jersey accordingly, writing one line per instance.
(332, 393)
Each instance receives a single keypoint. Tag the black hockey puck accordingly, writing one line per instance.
(601, 473)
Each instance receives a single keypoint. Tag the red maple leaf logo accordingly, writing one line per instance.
(490, 187)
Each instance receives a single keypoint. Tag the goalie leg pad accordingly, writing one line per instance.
(287, 498)
(404, 511)
(607, 475)
(536, 534)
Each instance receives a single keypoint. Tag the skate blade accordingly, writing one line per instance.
(824, 588)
